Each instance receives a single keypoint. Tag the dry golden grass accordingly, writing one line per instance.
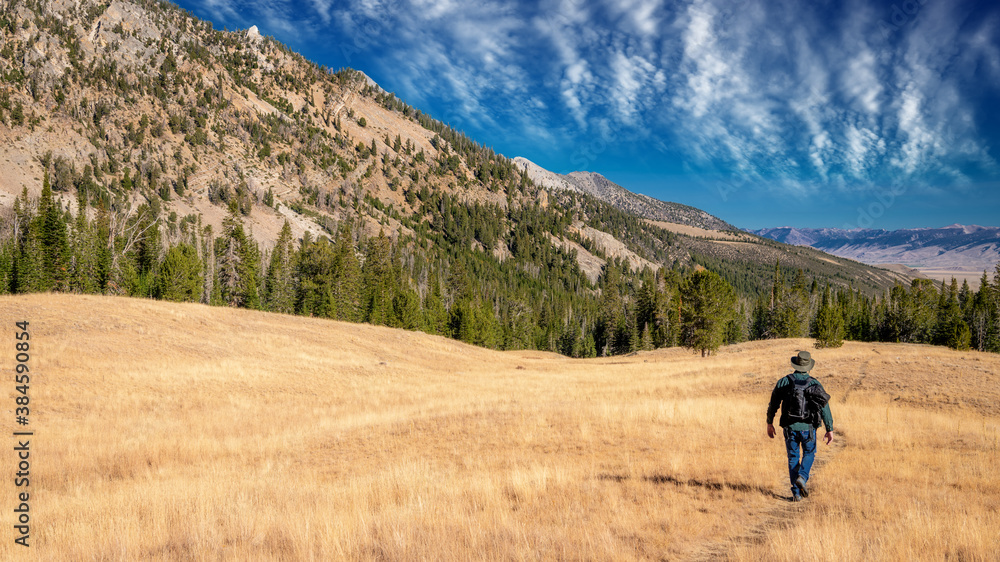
(171, 432)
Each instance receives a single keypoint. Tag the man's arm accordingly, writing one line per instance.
(772, 406)
(827, 416)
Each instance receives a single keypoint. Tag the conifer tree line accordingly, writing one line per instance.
(924, 312)
(537, 299)
(435, 280)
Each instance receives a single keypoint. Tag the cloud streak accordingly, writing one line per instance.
(799, 97)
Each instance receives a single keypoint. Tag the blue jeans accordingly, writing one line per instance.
(800, 466)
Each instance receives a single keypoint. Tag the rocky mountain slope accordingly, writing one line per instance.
(636, 204)
(956, 247)
(153, 105)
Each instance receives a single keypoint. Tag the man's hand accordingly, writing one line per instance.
(770, 431)
(828, 437)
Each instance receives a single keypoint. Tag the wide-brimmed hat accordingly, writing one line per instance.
(803, 361)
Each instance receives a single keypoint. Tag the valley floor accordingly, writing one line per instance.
(176, 431)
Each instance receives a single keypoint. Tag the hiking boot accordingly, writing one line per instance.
(802, 487)
(796, 498)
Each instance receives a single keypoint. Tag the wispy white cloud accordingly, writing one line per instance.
(861, 82)
(851, 107)
(863, 150)
(641, 16)
(635, 78)
(323, 9)
(800, 97)
(222, 10)
(565, 24)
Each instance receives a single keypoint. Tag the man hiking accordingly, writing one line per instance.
(803, 403)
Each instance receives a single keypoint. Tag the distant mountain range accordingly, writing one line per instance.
(951, 248)
(633, 203)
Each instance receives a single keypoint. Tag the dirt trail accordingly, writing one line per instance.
(781, 515)
(862, 373)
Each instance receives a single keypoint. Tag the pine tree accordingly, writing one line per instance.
(435, 312)
(791, 312)
(646, 340)
(147, 252)
(993, 330)
(26, 267)
(346, 291)
(760, 320)
(179, 276)
(316, 266)
(924, 304)
(950, 328)
(857, 312)
(460, 321)
(478, 324)
(85, 251)
(829, 323)
(610, 317)
(53, 239)
(406, 309)
(707, 306)
(980, 315)
(210, 293)
(459, 287)
(736, 327)
(897, 320)
(126, 229)
(569, 343)
(646, 298)
(239, 263)
(8, 253)
(279, 293)
(588, 348)
(965, 296)
(519, 324)
(379, 281)
(100, 234)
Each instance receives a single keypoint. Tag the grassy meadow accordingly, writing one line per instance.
(183, 432)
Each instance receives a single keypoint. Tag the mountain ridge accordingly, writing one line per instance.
(640, 205)
(970, 248)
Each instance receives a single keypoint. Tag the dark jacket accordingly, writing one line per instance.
(778, 396)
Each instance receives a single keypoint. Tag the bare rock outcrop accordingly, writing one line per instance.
(634, 203)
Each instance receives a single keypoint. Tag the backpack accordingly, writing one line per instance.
(804, 401)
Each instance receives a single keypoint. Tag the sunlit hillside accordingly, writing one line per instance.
(173, 432)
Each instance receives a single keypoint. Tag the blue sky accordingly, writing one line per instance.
(762, 112)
